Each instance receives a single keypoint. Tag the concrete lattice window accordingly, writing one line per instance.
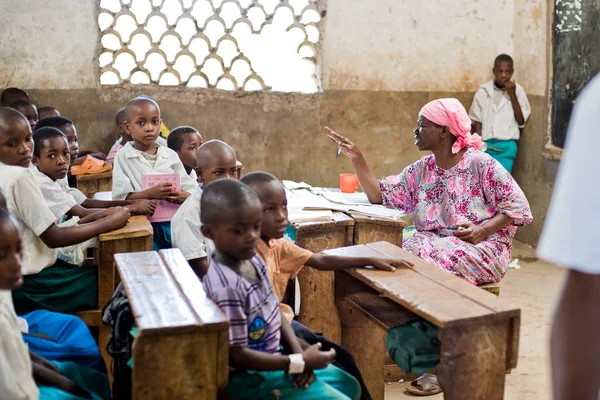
(236, 45)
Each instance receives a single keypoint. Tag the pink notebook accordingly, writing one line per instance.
(165, 210)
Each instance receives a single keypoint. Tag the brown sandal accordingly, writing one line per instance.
(425, 385)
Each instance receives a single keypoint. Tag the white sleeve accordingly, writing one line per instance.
(524, 103)
(185, 231)
(476, 110)
(121, 184)
(570, 236)
(57, 200)
(31, 205)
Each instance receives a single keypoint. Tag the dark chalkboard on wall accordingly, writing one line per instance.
(576, 57)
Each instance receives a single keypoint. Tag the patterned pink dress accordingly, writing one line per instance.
(475, 190)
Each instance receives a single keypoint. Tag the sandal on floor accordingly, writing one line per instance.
(425, 385)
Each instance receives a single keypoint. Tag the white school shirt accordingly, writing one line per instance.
(498, 120)
(16, 376)
(130, 165)
(571, 236)
(76, 193)
(26, 203)
(57, 198)
(185, 229)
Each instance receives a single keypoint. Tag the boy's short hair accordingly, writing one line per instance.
(258, 178)
(55, 122)
(120, 116)
(8, 116)
(17, 105)
(42, 134)
(47, 110)
(220, 197)
(12, 94)
(137, 100)
(175, 138)
(503, 58)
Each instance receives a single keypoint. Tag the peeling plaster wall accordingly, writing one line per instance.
(381, 61)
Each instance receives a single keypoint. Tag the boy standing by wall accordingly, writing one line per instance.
(499, 112)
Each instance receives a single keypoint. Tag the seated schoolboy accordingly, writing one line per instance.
(28, 109)
(499, 111)
(144, 156)
(67, 127)
(21, 368)
(51, 157)
(48, 111)
(284, 259)
(124, 137)
(48, 283)
(12, 94)
(185, 141)
(216, 160)
(238, 282)
(55, 336)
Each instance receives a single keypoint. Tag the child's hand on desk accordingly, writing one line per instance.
(179, 197)
(314, 358)
(161, 191)
(117, 217)
(142, 207)
(390, 265)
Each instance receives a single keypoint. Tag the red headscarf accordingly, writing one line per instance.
(450, 113)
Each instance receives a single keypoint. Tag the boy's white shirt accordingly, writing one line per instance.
(27, 205)
(59, 201)
(16, 377)
(498, 120)
(570, 236)
(76, 193)
(130, 165)
(185, 229)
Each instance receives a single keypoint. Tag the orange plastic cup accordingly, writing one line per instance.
(348, 183)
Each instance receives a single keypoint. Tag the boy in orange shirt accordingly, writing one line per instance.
(284, 260)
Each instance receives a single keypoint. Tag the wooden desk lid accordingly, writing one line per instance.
(436, 295)
(137, 226)
(167, 295)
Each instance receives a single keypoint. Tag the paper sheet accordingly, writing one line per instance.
(164, 210)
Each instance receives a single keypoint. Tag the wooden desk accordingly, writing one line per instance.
(369, 230)
(89, 184)
(182, 349)
(134, 237)
(478, 332)
(317, 306)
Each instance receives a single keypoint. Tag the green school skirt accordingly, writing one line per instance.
(62, 288)
(503, 151)
(331, 383)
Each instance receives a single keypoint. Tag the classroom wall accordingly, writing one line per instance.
(381, 61)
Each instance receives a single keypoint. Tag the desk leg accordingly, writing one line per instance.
(473, 364)
(317, 304)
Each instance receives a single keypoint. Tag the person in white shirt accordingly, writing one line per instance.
(144, 156)
(185, 141)
(49, 284)
(216, 160)
(570, 239)
(499, 112)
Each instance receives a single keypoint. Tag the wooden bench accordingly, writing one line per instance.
(182, 349)
(89, 184)
(478, 332)
(316, 287)
(133, 237)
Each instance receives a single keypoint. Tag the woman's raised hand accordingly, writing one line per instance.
(348, 148)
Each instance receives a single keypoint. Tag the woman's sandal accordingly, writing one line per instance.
(425, 385)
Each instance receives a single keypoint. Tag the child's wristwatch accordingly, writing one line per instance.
(296, 364)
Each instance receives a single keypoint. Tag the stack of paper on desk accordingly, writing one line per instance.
(297, 211)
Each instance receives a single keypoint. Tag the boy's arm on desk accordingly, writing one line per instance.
(324, 262)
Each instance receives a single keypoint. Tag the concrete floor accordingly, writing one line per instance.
(534, 288)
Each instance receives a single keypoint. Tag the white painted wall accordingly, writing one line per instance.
(398, 45)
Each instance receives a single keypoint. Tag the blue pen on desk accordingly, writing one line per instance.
(338, 153)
